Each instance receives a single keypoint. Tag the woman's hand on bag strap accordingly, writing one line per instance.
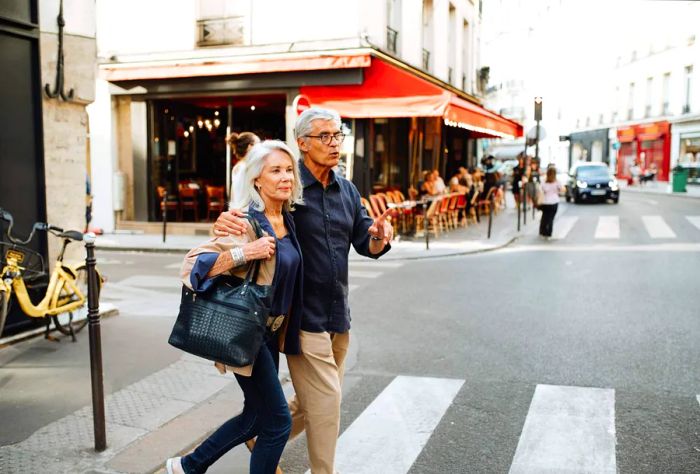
(232, 222)
(260, 249)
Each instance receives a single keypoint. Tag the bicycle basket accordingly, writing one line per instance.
(30, 260)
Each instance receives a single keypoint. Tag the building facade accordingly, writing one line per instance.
(402, 74)
(44, 136)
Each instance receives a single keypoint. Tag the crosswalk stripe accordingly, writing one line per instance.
(174, 266)
(392, 431)
(363, 274)
(563, 226)
(568, 429)
(695, 220)
(657, 228)
(608, 227)
(353, 287)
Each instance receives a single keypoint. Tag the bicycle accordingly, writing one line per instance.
(66, 290)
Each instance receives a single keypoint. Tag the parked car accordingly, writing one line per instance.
(591, 181)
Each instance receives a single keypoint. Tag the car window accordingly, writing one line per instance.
(592, 172)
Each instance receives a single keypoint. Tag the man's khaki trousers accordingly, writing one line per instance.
(317, 376)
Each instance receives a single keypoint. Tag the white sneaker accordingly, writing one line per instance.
(174, 466)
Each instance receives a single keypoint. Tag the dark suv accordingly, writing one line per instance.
(589, 181)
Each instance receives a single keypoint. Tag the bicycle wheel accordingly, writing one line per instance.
(81, 280)
(4, 306)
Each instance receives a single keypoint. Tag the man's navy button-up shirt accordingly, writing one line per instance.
(329, 221)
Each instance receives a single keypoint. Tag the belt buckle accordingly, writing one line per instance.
(276, 323)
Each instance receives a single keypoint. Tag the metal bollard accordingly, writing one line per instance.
(98, 399)
(164, 204)
(490, 215)
(425, 225)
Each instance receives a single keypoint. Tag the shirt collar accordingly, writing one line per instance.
(307, 178)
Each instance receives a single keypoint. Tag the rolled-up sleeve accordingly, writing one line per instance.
(198, 276)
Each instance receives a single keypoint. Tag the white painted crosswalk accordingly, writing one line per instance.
(568, 429)
(613, 228)
(608, 227)
(657, 227)
(392, 431)
(565, 429)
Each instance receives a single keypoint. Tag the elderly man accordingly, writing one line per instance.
(330, 220)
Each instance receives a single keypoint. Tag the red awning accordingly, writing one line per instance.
(389, 91)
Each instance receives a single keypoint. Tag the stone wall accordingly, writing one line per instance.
(66, 134)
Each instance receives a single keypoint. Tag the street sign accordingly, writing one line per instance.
(532, 134)
(301, 103)
(538, 108)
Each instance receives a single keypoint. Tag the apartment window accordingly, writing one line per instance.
(665, 92)
(427, 32)
(647, 105)
(688, 88)
(466, 54)
(223, 22)
(630, 102)
(393, 17)
(614, 117)
(451, 43)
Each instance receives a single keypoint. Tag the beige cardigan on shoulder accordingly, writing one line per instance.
(220, 245)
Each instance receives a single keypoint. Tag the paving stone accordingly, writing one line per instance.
(141, 410)
(71, 439)
(17, 461)
(183, 385)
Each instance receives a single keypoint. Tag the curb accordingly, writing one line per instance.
(32, 333)
(655, 193)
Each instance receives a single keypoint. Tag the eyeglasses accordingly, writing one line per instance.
(327, 137)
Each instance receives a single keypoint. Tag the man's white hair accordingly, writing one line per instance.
(303, 124)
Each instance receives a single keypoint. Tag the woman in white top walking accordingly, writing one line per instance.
(240, 144)
(551, 189)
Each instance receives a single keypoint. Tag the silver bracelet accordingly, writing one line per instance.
(238, 256)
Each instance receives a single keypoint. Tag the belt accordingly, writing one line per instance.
(274, 322)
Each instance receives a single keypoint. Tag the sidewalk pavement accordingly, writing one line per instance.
(170, 410)
(656, 187)
(462, 241)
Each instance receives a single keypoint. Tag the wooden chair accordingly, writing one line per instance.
(368, 207)
(170, 203)
(484, 205)
(473, 209)
(432, 217)
(443, 215)
(215, 200)
(461, 208)
(452, 210)
(189, 199)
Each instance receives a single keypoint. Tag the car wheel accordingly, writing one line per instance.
(568, 198)
(577, 199)
(616, 200)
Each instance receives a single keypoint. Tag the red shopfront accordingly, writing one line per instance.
(645, 144)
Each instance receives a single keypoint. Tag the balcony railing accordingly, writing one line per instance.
(391, 39)
(426, 59)
(221, 31)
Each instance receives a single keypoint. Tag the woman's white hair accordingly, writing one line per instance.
(255, 162)
(303, 125)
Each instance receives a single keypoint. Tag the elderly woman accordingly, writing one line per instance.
(271, 188)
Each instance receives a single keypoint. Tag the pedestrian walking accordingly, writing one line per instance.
(270, 189)
(331, 219)
(518, 173)
(550, 201)
(240, 144)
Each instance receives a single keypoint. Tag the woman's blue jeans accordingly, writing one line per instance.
(265, 415)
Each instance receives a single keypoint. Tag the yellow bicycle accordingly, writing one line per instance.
(23, 268)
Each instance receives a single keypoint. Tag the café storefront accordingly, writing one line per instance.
(646, 145)
(174, 120)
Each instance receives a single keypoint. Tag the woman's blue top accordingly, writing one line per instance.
(285, 276)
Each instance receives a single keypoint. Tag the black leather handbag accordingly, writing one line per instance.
(227, 322)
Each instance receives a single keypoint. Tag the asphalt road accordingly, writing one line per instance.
(455, 356)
